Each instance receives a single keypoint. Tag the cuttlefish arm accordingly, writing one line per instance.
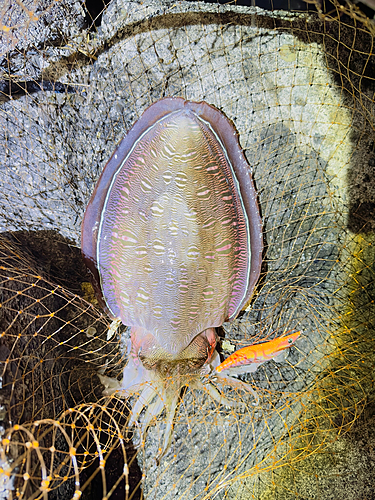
(156, 393)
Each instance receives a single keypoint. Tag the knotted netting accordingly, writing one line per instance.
(299, 87)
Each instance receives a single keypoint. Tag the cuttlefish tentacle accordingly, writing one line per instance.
(236, 384)
(217, 396)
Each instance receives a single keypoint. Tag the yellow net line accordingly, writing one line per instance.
(299, 87)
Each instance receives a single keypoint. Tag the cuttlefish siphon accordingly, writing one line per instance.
(173, 237)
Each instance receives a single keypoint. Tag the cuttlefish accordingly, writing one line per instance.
(173, 237)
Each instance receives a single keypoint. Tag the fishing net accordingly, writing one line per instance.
(299, 87)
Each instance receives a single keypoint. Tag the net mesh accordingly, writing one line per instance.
(300, 89)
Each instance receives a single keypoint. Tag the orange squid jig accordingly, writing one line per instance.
(249, 358)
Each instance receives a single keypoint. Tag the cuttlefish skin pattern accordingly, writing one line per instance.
(173, 231)
(173, 237)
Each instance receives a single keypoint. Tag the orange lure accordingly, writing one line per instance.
(248, 359)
